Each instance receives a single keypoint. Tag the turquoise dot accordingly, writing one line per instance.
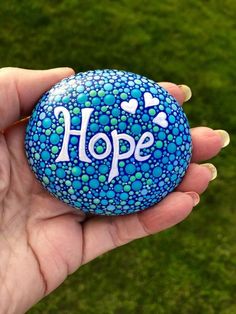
(108, 86)
(47, 123)
(82, 98)
(75, 120)
(45, 155)
(65, 99)
(161, 135)
(76, 184)
(76, 171)
(104, 119)
(35, 137)
(157, 153)
(130, 168)
(122, 126)
(103, 169)
(94, 183)
(171, 119)
(153, 90)
(175, 131)
(48, 172)
(110, 207)
(80, 89)
(96, 101)
(124, 196)
(136, 93)
(157, 172)
(90, 170)
(136, 129)
(136, 185)
(54, 139)
(179, 140)
(171, 148)
(110, 194)
(60, 173)
(173, 177)
(74, 140)
(109, 99)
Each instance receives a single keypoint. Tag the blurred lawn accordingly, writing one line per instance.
(190, 268)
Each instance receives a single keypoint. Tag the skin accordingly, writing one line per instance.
(42, 240)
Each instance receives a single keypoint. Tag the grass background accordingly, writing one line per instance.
(190, 268)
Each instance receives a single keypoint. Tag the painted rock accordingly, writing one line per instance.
(108, 142)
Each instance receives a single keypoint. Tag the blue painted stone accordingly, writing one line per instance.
(111, 142)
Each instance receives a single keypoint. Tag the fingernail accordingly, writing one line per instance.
(195, 197)
(224, 137)
(187, 92)
(212, 169)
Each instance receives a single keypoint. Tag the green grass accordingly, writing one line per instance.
(190, 268)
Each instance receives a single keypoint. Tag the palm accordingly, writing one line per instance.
(43, 240)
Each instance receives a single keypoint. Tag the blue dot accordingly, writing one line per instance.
(109, 99)
(122, 126)
(104, 202)
(115, 112)
(145, 117)
(111, 207)
(145, 167)
(171, 119)
(179, 140)
(45, 155)
(175, 131)
(90, 170)
(94, 183)
(42, 138)
(136, 185)
(157, 153)
(76, 184)
(118, 188)
(161, 135)
(171, 148)
(153, 90)
(157, 172)
(173, 177)
(103, 169)
(60, 173)
(54, 139)
(47, 123)
(130, 168)
(94, 127)
(96, 101)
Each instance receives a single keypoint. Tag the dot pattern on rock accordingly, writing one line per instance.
(119, 101)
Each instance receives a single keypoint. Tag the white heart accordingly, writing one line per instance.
(149, 100)
(160, 119)
(130, 106)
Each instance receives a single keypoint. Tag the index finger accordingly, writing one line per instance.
(21, 88)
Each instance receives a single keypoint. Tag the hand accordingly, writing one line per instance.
(42, 240)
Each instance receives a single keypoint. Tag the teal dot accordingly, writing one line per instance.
(60, 173)
(94, 183)
(171, 119)
(74, 140)
(76, 171)
(136, 185)
(85, 178)
(136, 93)
(145, 117)
(90, 170)
(75, 120)
(171, 148)
(109, 99)
(35, 137)
(114, 121)
(42, 138)
(136, 129)
(108, 86)
(48, 172)
(54, 139)
(159, 144)
(104, 119)
(82, 98)
(161, 135)
(130, 168)
(46, 180)
(59, 130)
(103, 169)
(47, 123)
(157, 154)
(76, 184)
(123, 96)
(94, 127)
(157, 172)
(175, 131)
(118, 188)
(173, 177)
(153, 90)
(45, 155)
